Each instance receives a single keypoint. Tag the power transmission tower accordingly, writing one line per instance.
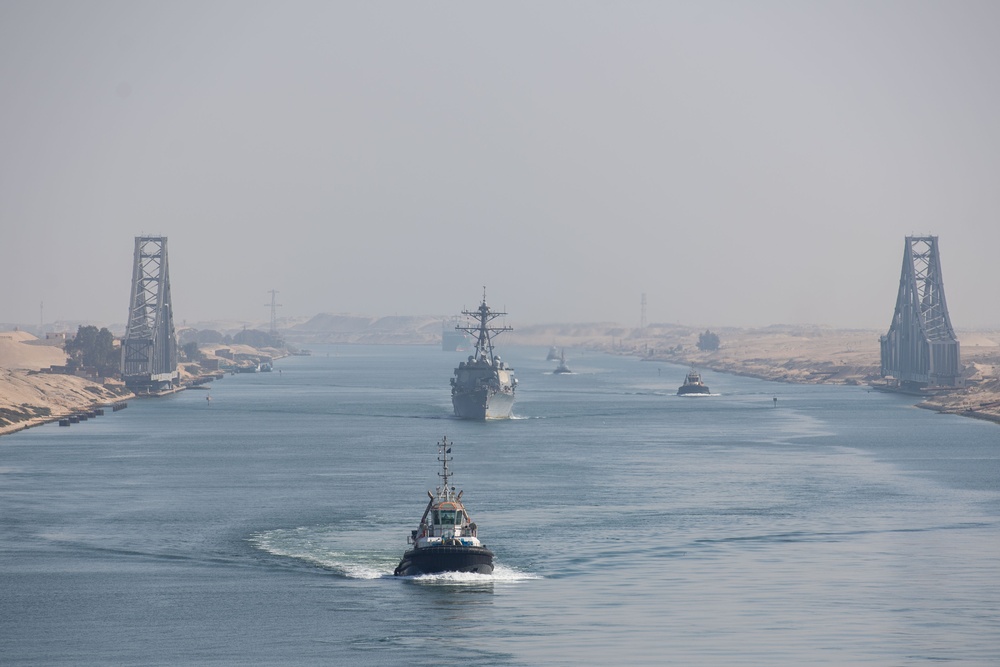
(274, 313)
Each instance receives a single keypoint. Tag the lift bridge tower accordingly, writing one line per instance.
(149, 349)
(920, 350)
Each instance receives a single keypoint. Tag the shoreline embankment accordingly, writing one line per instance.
(789, 354)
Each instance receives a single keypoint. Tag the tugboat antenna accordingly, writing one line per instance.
(444, 448)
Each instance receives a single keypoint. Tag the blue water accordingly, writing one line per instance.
(630, 526)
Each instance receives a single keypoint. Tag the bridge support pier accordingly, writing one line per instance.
(920, 351)
(149, 349)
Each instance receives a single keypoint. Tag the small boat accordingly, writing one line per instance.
(445, 540)
(553, 354)
(562, 367)
(693, 385)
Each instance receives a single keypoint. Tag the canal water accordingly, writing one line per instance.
(630, 526)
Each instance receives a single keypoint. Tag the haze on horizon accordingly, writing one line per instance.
(741, 164)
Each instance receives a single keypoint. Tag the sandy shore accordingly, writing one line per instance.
(29, 398)
(797, 354)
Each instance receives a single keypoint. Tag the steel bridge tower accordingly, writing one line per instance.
(149, 350)
(920, 349)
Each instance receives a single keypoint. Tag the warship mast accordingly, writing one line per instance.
(482, 331)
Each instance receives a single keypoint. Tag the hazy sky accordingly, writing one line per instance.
(740, 163)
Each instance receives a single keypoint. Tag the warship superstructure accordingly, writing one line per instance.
(483, 385)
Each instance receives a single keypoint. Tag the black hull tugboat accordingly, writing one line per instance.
(483, 386)
(446, 539)
(693, 385)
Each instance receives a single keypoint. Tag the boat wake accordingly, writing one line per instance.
(501, 574)
(316, 546)
(323, 547)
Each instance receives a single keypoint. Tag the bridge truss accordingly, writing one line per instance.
(149, 350)
(921, 350)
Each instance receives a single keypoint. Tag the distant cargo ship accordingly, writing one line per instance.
(453, 339)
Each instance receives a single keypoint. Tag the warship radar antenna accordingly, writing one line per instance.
(482, 331)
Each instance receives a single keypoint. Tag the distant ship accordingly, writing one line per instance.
(483, 386)
(453, 340)
(562, 367)
(553, 354)
(693, 385)
(446, 539)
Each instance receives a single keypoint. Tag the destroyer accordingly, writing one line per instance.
(483, 386)
(693, 385)
(446, 539)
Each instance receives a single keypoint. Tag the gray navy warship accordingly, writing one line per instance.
(483, 386)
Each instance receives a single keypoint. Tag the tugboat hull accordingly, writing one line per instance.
(693, 389)
(482, 404)
(437, 559)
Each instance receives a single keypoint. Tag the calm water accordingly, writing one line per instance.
(631, 526)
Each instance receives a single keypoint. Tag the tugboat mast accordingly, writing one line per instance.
(444, 449)
(483, 332)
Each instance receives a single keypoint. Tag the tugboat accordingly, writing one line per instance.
(562, 367)
(483, 386)
(693, 385)
(446, 539)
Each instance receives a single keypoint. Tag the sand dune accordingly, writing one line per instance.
(28, 398)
